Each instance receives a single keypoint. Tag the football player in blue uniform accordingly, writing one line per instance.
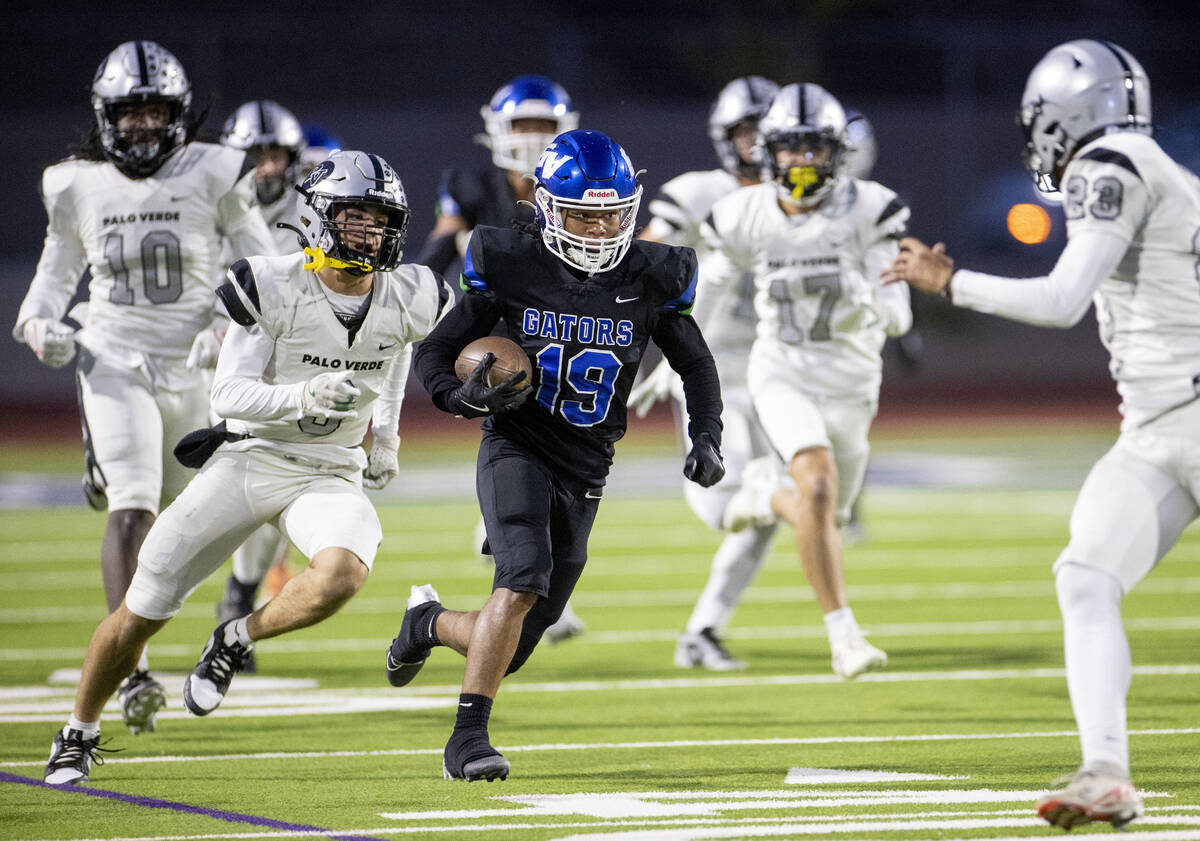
(583, 300)
(521, 120)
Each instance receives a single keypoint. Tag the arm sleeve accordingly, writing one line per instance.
(386, 416)
(241, 220)
(1057, 300)
(474, 316)
(893, 302)
(684, 348)
(61, 265)
(238, 390)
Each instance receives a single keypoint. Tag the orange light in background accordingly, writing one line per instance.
(1029, 223)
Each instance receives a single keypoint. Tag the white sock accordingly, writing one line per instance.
(144, 661)
(1097, 660)
(840, 625)
(90, 729)
(238, 628)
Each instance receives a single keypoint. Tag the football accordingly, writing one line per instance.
(509, 360)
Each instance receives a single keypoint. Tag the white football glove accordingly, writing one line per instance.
(658, 385)
(206, 347)
(330, 395)
(383, 465)
(52, 341)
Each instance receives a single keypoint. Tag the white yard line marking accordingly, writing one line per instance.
(683, 743)
(20, 706)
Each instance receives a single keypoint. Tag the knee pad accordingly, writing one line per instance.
(1081, 587)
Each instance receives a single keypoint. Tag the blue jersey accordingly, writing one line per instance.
(584, 336)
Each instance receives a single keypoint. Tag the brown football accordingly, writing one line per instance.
(509, 360)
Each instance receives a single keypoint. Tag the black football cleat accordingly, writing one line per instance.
(469, 756)
(407, 654)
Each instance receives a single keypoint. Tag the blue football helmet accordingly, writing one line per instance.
(586, 170)
(525, 98)
(319, 144)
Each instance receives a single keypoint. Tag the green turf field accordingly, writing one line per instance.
(607, 738)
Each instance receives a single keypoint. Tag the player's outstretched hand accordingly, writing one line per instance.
(330, 395)
(475, 398)
(704, 464)
(52, 341)
(383, 463)
(921, 267)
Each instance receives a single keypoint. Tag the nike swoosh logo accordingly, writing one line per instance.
(468, 705)
(178, 198)
(621, 300)
(483, 409)
(382, 346)
(590, 495)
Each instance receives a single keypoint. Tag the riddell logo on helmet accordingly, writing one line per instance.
(600, 194)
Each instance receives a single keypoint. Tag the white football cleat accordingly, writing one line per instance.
(569, 625)
(750, 505)
(1098, 792)
(854, 656)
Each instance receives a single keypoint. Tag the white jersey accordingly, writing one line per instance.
(1149, 308)
(152, 247)
(286, 209)
(817, 290)
(725, 311)
(296, 335)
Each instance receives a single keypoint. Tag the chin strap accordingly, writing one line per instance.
(318, 259)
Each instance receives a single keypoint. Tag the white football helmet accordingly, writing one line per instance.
(525, 97)
(1080, 90)
(139, 72)
(744, 100)
(350, 178)
(858, 156)
(806, 118)
(266, 123)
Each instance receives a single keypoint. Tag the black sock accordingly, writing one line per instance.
(426, 628)
(473, 711)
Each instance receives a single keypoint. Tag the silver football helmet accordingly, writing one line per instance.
(744, 100)
(134, 73)
(347, 179)
(804, 119)
(266, 123)
(1077, 92)
(858, 156)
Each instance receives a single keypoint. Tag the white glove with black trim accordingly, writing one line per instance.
(330, 395)
(52, 341)
(383, 463)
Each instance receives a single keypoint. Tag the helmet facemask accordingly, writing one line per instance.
(809, 175)
(139, 151)
(589, 254)
(271, 187)
(349, 244)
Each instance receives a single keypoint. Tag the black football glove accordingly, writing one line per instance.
(475, 398)
(704, 465)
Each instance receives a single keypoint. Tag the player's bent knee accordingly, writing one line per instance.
(1080, 586)
(339, 573)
